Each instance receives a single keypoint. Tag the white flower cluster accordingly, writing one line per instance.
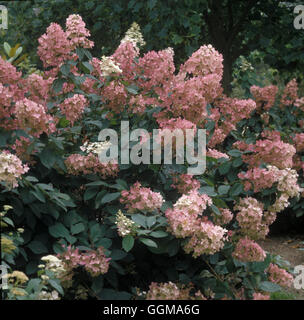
(53, 264)
(95, 147)
(134, 35)
(11, 169)
(44, 295)
(108, 66)
(288, 182)
(182, 202)
(125, 226)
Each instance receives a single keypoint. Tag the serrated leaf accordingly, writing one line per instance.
(127, 243)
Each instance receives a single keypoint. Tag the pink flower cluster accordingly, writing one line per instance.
(300, 103)
(193, 202)
(8, 73)
(33, 118)
(73, 107)
(38, 88)
(54, 47)
(170, 291)
(6, 109)
(94, 262)
(264, 97)
(139, 198)
(115, 96)
(157, 69)
(258, 178)
(184, 183)
(235, 110)
(271, 151)
(223, 219)
(77, 164)
(21, 147)
(207, 239)
(184, 222)
(299, 142)
(279, 276)
(226, 114)
(77, 33)
(290, 94)
(247, 250)
(124, 57)
(187, 100)
(260, 296)
(206, 60)
(213, 153)
(11, 169)
(250, 218)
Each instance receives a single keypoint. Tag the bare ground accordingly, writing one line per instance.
(288, 248)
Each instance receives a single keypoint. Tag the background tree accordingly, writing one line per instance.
(233, 27)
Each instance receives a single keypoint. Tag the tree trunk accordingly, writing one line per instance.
(227, 77)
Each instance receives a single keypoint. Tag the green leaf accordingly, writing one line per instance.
(173, 248)
(215, 210)
(208, 190)
(7, 48)
(109, 197)
(65, 69)
(151, 221)
(139, 219)
(224, 168)
(88, 66)
(77, 228)
(97, 183)
(38, 194)
(90, 193)
(148, 242)
(223, 190)
(159, 234)
(133, 89)
(37, 247)
(236, 190)
(56, 286)
(58, 84)
(96, 231)
(127, 243)
(117, 255)
(58, 230)
(235, 153)
(269, 286)
(48, 158)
